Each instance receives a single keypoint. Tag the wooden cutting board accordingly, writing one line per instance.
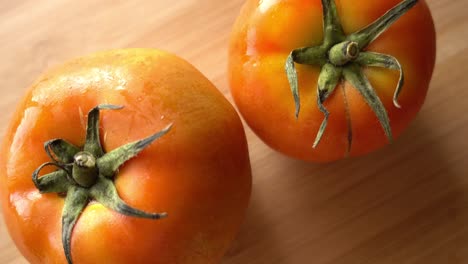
(407, 203)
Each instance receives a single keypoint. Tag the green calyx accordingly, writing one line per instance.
(342, 58)
(87, 173)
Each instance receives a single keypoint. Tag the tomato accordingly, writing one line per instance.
(293, 63)
(180, 200)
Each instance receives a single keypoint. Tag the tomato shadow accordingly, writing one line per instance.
(259, 235)
(403, 204)
(398, 205)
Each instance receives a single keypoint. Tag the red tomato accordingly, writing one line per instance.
(195, 175)
(348, 67)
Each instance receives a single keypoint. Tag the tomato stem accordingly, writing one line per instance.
(87, 173)
(328, 80)
(84, 170)
(368, 34)
(343, 52)
(374, 59)
(342, 58)
(333, 31)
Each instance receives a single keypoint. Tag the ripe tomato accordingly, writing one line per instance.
(196, 174)
(339, 62)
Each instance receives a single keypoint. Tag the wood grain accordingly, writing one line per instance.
(407, 203)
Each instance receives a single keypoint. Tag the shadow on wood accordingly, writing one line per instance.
(380, 208)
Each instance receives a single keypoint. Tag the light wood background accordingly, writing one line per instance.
(407, 203)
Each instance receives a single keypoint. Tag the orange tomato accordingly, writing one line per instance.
(269, 32)
(198, 172)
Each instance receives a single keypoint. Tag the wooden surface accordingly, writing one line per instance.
(405, 204)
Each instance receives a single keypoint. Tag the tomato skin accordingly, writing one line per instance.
(267, 31)
(199, 173)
